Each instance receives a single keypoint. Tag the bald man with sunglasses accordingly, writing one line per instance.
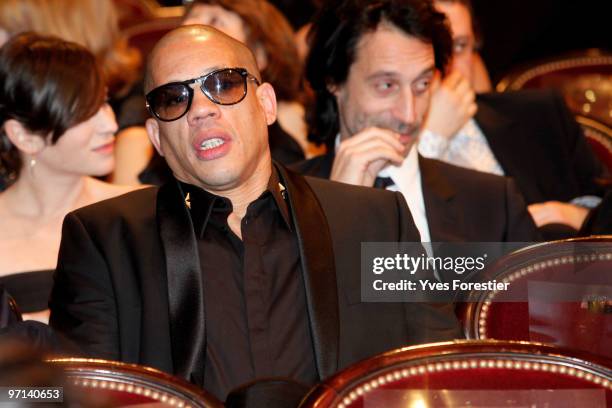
(238, 269)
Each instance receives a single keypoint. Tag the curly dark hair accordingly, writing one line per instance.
(48, 85)
(333, 39)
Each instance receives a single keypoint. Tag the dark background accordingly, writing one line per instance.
(515, 31)
(518, 31)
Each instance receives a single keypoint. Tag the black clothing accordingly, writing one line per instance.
(538, 143)
(259, 327)
(30, 290)
(129, 287)
(283, 147)
(599, 221)
(460, 204)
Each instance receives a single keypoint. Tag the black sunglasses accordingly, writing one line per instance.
(226, 86)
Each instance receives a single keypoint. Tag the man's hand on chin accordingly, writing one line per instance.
(452, 105)
(359, 158)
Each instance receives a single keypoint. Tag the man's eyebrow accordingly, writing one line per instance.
(426, 72)
(381, 74)
(461, 38)
(202, 73)
(214, 68)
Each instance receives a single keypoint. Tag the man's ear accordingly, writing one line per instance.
(153, 132)
(267, 100)
(333, 89)
(27, 142)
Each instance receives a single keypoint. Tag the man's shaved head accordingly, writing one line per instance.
(218, 147)
(198, 35)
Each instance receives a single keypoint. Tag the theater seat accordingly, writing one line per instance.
(470, 374)
(600, 138)
(145, 35)
(9, 311)
(559, 292)
(132, 12)
(112, 383)
(584, 78)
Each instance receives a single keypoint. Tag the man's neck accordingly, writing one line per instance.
(244, 194)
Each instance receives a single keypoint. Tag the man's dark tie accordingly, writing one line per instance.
(383, 182)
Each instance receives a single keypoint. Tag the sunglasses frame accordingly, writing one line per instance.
(200, 80)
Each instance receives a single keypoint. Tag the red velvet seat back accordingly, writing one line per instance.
(110, 383)
(145, 35)
(600, 138)
(564, 297)
(476, 374)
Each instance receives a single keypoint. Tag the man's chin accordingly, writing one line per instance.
(408, 140)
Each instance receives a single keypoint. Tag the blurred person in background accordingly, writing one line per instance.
(263, 28)
(370, 106)
(529, 136)
(17, 16)
(56, 131)
(466, 43)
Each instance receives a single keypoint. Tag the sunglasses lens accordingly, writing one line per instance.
(225, 87)
(170, 101)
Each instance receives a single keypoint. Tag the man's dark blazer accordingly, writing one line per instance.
(538, 143)
(128, 284)
(460, 204)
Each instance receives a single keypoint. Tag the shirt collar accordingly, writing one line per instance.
(201, 202)
(406, 173)
(278, 191)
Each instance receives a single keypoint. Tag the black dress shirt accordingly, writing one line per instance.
(254, 298)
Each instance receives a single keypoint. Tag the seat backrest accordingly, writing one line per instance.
(558, 292)
(470, 373)
(584, 78)
(117, 384)
(133, 12)
(9, 311)
(145, 35)
(600, 138)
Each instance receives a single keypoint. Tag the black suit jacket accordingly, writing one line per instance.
(460, 204)
(538, 143)
(128, 282)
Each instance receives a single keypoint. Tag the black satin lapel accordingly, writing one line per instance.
(438, 195)
(499, 130)
(185, 288)
(319, 270)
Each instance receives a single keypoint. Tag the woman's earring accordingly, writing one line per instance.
(31, 166)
